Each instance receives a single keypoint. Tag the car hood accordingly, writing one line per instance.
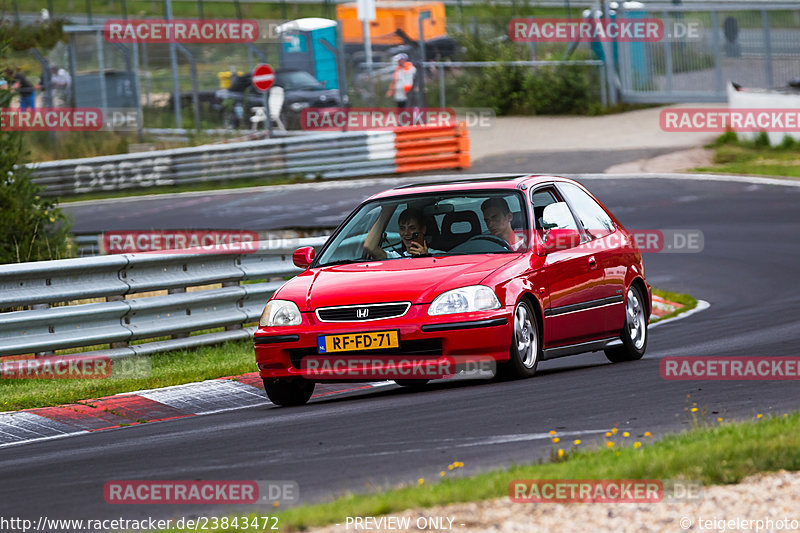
(418, 280)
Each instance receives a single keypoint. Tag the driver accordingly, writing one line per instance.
(412, 235)
(497, 216)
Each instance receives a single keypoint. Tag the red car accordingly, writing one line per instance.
(422, 278)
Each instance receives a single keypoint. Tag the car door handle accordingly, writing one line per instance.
(592, 262)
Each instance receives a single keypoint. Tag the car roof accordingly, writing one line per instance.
(512, 181)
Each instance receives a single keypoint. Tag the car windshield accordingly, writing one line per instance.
(297, 80)
(431, 225)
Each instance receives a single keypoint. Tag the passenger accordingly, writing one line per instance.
(497, 216)
(412, 235)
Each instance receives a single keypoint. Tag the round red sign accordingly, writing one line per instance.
(263, 77)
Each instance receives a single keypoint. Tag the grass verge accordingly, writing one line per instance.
(170, 368)
(685, 300)
(720, 454)
(756, 157)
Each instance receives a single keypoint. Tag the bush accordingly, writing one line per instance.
(561, 89)
(42, 35)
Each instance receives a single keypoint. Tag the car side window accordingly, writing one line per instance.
(593, 217)
(540, 199)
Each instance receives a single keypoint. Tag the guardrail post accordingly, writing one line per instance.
(42, 354)
(177, 290)
(120, 344)
(234, 283)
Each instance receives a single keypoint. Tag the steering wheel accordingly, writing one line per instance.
(491, 238)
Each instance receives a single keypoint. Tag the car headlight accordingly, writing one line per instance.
(280, 313)
(298, 106)
(464, 300)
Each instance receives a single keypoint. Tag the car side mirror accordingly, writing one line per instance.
(561, 239)
(303, 257)
(560, 231)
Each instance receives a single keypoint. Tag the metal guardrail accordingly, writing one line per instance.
(317, 155)
(127, 315)
(313, 155)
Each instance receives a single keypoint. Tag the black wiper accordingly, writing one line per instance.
(344, 262)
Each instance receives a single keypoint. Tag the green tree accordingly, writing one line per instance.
(32, 228)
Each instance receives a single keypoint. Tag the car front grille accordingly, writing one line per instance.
(362, 313)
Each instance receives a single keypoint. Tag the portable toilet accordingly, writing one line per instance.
(309, 45)
(638, 55)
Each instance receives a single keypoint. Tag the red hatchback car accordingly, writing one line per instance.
(512, 270)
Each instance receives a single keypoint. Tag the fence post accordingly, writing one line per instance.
(608, 52)
(193, 69)
(717, 51)
(176, 86)
(102, 68)
(137, 89)
(767, 48)
(668, 68)
(441, 86)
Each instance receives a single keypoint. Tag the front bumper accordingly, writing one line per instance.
(427, 346)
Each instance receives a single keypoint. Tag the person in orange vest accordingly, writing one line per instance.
(402, 80)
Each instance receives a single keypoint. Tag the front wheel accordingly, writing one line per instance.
(525, 344)
(288, 392)
(634, 334)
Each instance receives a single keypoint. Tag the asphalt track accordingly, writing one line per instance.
(290, 207)
(747, 271)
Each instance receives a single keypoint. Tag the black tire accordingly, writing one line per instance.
(287, 393)
(526, 345)
(412, 383)
(634, 333)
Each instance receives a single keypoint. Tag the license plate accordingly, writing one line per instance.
(356, 342)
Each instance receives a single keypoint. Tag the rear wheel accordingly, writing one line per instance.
(634, 334)
(525, 344)
(288, 392)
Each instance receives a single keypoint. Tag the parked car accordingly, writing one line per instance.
(301, 90)
(566, 278)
